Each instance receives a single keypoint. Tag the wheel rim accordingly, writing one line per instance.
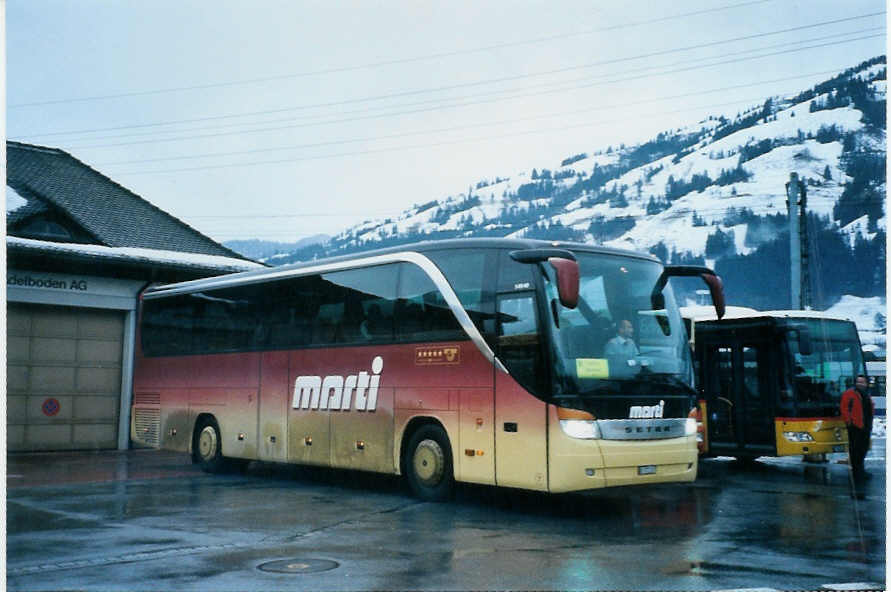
(429, 462)
(207, 443)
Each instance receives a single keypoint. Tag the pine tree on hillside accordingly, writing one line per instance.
(660, 251)
(863, 194)
(720, 244)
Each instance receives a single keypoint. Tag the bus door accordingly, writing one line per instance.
(740, 413)
(755, 396)
(520, 418)
(720, 396)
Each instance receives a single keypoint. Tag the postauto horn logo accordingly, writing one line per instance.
(335, 392)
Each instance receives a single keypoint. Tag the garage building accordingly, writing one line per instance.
(80, 249)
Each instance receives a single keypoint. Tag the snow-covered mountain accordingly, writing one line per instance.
(712, 192)
(263, 249)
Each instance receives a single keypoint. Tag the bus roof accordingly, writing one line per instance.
(707, 313)
(803, 314)
(764, 319)
(379, 255)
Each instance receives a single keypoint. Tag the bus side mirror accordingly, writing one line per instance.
(712, 280)
(567, 280)
(716, 289)
(565, 266)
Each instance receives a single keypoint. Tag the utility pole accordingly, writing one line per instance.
(796, 203)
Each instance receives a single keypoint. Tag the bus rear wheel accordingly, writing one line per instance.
(428, 464)
(207, 448)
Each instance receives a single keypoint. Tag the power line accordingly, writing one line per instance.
(418, 146)
(525, 95)
(375, 151)
(416, 103)
(471, 126)
(382, 63)
(516, 77)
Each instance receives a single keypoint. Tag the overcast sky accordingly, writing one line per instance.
(281, 119)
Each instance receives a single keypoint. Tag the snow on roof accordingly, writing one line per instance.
(14, 201)
(803, 314)
(707, 313)
(138, 255)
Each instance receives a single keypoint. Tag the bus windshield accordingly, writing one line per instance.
(614, 343)
(835, 359)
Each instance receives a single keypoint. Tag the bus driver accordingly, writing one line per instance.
(622, 348)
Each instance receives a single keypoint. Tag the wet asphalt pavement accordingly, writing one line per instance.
(149, 520)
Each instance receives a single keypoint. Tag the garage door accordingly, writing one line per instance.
(63, 377)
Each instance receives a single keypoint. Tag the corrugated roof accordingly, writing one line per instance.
(116, 216)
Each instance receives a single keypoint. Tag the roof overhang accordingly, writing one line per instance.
(131, 257)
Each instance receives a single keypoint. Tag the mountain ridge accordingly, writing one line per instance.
(712, 192)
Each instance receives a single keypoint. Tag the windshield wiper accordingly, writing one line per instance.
(641, 386)
(666, 380)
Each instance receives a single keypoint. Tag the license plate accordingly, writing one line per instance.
(838, 448)
(646, 470)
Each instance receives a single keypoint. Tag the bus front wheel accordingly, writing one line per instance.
(428, 464)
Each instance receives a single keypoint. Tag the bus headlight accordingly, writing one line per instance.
(690, 426)
(580, 428)
(798, 436)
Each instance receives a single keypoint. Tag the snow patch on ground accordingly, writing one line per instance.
(858, 228)
(879, 425)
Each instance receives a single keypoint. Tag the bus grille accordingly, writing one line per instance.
(148, 426)
(146, 398)
(641, 429)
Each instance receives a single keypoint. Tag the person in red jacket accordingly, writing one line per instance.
(856, 411)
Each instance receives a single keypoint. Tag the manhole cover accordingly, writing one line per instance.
(299, 566)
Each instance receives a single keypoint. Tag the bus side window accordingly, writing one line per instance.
(368, 297)
(465, 269)
(213, 327)
(421, 312)
(167, 326)
(325, 326)
(518, 340)
(287, 310)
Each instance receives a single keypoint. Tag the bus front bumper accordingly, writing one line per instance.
(592, 464)
(798, 436)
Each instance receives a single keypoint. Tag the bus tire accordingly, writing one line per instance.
(428, 464)
(207, 448)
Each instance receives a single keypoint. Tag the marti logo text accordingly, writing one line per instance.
(646, 412)
(335, 393)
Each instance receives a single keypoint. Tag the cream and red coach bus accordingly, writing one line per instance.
(474, 360)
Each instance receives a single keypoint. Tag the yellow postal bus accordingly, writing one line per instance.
(771, 382)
